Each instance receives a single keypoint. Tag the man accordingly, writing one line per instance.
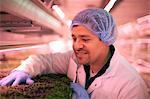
(96, 68)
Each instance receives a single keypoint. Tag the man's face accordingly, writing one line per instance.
(87, 46)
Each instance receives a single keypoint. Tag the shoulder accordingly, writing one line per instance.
(124, 71)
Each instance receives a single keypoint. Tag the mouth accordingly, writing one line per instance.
(81, 53)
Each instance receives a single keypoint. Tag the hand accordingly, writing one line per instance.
(79, 91)
(15, 78)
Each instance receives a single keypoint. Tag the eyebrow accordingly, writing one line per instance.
(82, 36)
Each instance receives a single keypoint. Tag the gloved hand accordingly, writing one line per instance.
(15, 78)
(79, 91)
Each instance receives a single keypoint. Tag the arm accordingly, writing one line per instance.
(46, 63)
(35, 65)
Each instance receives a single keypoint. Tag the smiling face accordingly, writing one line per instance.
(88, 48)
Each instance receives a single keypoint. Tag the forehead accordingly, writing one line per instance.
(82, 31)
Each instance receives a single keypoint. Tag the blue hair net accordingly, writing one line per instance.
(99, 22)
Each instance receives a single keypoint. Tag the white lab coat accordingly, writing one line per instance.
(120, 81)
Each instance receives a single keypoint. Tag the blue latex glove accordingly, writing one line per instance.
(15, 78)
(79, 91)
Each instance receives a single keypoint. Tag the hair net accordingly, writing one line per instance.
(98, 21)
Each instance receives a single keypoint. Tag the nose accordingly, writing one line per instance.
(77, 45)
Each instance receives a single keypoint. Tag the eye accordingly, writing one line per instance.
(86, 40)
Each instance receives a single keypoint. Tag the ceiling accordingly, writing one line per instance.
(34, 21)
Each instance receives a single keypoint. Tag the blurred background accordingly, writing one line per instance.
(42, 26)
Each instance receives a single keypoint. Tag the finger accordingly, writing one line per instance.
(16, 82)
(2, 80)
(75, 86)
(29, 81)
(7, 81)
(74, 89)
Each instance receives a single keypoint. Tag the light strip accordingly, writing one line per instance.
(58, 11)
(110, 5)
(23, 48)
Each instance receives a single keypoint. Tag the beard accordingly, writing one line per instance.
(82, 57)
